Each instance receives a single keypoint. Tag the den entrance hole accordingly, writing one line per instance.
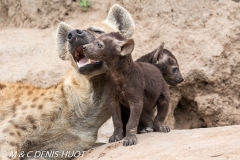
(187, 116)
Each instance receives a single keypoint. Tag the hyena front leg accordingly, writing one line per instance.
(162, 109)
(12, 138)
(145, 123)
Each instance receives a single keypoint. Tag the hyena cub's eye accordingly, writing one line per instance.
(175, 69)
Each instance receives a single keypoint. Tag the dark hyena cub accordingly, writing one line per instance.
(135, 85)
(166, 62)
(168, 65)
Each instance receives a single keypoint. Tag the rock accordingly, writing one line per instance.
(11, 11)
(204, 143)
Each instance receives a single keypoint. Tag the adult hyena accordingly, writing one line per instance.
(65, 117)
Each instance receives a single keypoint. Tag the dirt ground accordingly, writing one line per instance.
(219, 143)
(204, 37)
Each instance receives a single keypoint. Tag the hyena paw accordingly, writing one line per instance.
(130, 140)
(147, 129)
(115, 138)
(162, 128)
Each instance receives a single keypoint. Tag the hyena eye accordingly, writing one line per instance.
(98, 31)
(174, 69)
(99, 45)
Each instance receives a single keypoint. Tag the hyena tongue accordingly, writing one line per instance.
(79, 56)
(82, 61)
(85, 60)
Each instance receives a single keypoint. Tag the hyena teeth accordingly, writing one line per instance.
(93, 61)
(78, 65)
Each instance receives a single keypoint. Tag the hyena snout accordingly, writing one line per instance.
(180, 79)
(87, 50)
(75, 34)
(85, 47)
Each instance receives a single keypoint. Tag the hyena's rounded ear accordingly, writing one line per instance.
(62, 33)
(119, 18)
(126, 47)
(158, 54)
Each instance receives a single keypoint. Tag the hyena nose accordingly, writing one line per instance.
(74, 34)
(84, 47)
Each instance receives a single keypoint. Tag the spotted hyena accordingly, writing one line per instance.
(65, 117)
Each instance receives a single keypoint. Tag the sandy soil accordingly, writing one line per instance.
(24, 56)
(203, 35)
(197, 144)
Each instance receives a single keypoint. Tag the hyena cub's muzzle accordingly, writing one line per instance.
(77, 38)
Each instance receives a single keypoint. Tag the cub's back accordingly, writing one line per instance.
(153, 78)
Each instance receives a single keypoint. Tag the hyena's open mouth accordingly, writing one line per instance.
(84, 64)
(81, 60)
(77, 38)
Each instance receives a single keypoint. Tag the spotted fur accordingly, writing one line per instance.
(65, 117)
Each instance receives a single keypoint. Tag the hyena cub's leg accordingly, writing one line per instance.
(162, 109)
(145, 123)
(132, 125)
(117, 122)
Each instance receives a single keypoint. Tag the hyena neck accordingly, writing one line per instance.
(124, 65)
(148, 58)
(85, 96)
(78, 91)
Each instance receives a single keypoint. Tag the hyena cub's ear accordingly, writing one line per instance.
(126, 47)
(62, 33)
(119, 18)
(158, 55)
